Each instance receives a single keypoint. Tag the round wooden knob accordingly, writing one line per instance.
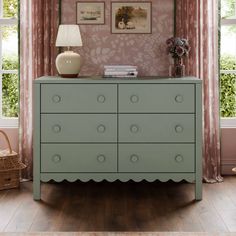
(134, 158)
(179, 158)
(56, 158)
(101, 98)
(56, 99)
(101, 158)
(56, 128)
(134, 129)
(134, 99)
(179, 98)
(179, 129)
(101, 129)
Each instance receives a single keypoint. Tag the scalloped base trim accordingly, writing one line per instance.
(123, 177)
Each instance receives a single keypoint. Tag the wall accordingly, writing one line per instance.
(228, 150)
(13, 137)
(147, 51)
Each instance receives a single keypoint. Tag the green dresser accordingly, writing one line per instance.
(132, 129)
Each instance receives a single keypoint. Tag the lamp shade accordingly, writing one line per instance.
(69, 36)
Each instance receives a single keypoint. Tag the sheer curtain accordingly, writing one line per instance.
(198, 21)
(39, 21)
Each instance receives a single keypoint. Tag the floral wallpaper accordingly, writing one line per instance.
(147, 51)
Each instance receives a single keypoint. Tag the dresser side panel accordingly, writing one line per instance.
(36, 142)
(198, 158)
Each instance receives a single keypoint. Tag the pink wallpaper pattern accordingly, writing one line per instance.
(147, 51)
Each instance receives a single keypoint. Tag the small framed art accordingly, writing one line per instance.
(131, 17)
(90, 13)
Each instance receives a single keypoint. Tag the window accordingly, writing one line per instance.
(228, 63)
(8, 63)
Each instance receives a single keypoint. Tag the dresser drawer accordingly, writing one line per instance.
(78, 128)
(166, 128)
(78, 158)
(78, 98)
(156, 158)
(156, 98)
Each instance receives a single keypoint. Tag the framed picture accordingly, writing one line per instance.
(90, 13)
(131, 17)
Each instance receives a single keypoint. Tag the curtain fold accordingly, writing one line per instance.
(198, 22)
(39, 21)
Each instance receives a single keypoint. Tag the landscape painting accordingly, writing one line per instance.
(131, 17)
(90, 13)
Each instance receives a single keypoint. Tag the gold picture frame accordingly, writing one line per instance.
(90, 13)
(131, 17)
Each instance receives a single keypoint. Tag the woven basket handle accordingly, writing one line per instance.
(7, 140)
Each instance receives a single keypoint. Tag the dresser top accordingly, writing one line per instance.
(101, 80)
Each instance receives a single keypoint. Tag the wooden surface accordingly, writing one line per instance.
(95, 110)
(156, 128)
(101, 80)
(119, 207)
(117, 234)
(156, 98)
(79, 158)
(140, 158)
(69, 128)
(75, 98)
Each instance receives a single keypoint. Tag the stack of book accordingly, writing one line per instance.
(120, 71)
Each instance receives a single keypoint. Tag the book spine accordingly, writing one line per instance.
(120, 76)
(120, 67)
(119, 70)
(120, 73)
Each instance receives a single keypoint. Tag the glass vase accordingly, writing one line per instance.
(177, 68)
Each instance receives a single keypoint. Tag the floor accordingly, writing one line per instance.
(117, 234)
(119, 207)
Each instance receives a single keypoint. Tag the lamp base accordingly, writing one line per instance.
(68, 64)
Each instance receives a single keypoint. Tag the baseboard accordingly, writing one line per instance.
(227, 166)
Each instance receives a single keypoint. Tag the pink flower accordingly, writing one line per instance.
(179, 51)
(179, 42)
(169, 42)
(177, 47)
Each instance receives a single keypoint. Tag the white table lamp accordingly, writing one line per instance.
(68, 63)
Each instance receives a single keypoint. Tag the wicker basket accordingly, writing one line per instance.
(10, 166)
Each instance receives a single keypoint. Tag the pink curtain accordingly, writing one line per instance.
(39, 21)
(197, 20)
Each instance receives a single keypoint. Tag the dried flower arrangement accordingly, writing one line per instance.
(177, 47)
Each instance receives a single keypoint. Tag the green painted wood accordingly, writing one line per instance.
(156, 98)
(199, 118)
(166, 128)
(78, 158)
(83, 98)
(124, 177)
(173, 124)
(156, 158)
(36, 144)
(78, 128)
(101, 80)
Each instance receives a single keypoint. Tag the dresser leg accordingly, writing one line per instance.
(37, 189)
(198, 190)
